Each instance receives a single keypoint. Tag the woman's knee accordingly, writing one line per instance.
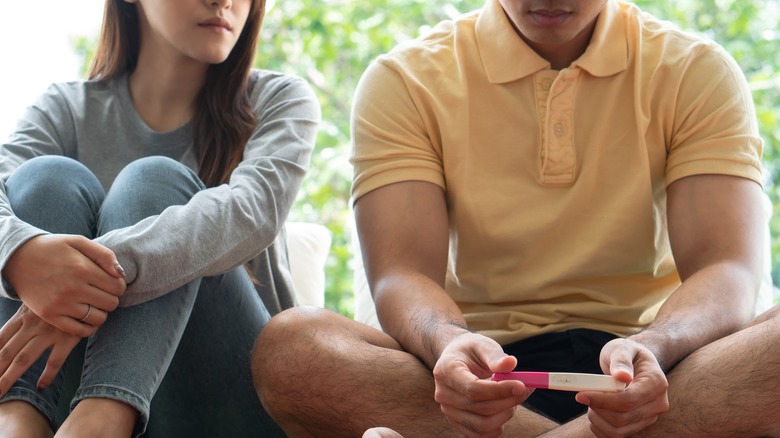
(145, 188)
(52, 176)
(157, 172)
(57, 194)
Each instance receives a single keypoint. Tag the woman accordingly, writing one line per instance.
(131, 207)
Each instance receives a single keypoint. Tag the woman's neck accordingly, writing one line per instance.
(164, 92)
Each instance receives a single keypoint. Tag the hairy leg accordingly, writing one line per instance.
(728, 388)
(89, 419)
(20, 419)
(316, 370)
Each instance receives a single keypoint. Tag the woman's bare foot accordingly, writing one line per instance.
(22, 420)
(99, 418)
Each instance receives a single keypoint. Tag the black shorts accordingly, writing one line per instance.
(574, 351)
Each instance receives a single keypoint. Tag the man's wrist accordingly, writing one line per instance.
(439, 337)
(657, 344)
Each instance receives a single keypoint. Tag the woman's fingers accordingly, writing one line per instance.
(21, 361)
(97, 298)
(11, 347)
(24, 339)
(59, 353)
(58, 288)
(85, 326)
(101, 256)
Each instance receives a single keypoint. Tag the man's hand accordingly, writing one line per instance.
(60, 276)
(23, 339)
(474, 406)
(624, 413)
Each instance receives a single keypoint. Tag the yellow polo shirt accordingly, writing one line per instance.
(555, 180)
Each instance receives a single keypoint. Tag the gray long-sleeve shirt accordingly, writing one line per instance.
(220, 228)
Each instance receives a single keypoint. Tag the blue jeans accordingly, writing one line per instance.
(182, 360)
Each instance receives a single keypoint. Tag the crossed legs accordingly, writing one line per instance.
(337, 375)
(315, 370)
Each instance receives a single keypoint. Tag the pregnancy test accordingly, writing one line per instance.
(563, 381)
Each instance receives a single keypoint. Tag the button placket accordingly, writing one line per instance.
(558, 154)
(542, 83)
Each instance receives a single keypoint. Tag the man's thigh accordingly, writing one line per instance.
(728, 388)
(319, 371)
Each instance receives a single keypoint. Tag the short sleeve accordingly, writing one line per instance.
(389, 133)
(715, 128)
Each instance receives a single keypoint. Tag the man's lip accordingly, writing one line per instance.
(216, 21)
(547, 17)
(550, 12)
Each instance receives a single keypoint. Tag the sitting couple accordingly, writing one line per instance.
(542, 185)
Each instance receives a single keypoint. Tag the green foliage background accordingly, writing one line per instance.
(330, 42)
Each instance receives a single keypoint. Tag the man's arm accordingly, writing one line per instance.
(716, 228)
(404, 234)
(404, 237)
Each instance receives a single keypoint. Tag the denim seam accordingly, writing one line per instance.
(39, 402)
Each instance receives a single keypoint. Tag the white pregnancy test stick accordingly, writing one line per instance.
(563, 381)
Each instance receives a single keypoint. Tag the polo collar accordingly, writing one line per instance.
(607, 53)
(496, 39)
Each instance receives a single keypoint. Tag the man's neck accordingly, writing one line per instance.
(561, 56)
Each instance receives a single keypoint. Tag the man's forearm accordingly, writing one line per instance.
(420, 316)
(711, 304)
(716, 231)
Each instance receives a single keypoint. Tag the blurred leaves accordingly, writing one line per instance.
(330, 43)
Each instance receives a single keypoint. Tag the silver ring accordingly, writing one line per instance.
(89, 310)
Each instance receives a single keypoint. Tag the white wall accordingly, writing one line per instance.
(36, 49)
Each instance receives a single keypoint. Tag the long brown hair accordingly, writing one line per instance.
(223, 120)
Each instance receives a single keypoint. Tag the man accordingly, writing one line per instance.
(545, 185)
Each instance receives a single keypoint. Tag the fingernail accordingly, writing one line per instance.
(624, 367)
(119, 269)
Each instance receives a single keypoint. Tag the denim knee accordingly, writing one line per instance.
(158, 173)
(57, 194)
(145, 188)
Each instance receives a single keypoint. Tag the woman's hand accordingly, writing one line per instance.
(624, 413)
(473, 405)
(23, 339)
(69, 281)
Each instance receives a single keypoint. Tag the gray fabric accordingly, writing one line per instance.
(221, 227)
(273, 278)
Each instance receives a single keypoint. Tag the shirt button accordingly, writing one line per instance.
(559, 129)
(546, 85)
